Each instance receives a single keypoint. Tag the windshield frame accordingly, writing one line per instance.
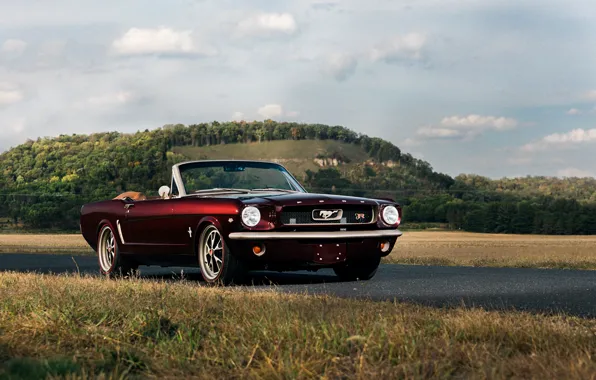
(179, 183)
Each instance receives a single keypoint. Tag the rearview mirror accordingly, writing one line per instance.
(164, 192)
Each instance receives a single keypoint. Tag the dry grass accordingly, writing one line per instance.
(414, 247)
(90, 327)
(464, 248)
(60, 244)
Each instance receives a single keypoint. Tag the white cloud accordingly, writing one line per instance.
(466, 127)
(270, 111)
(438, 133)
(10, 94)
(238, 116)
(112, 99)
(562, 140)
(161, 40)
(267, 24)
(574, 172)
(574, 111)
(590, 95)
(399, 48)
(13, 47)
(341, 66)
(479, 121)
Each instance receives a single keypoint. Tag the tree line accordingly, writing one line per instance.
(44, 182)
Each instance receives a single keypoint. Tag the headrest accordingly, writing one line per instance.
(134, 195)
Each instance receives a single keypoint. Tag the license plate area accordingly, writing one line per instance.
(329, 253)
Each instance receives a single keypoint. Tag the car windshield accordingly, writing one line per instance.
(254, 176)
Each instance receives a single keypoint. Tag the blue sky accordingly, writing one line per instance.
(493, 87)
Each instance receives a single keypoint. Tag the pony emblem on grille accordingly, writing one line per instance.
(327, 214)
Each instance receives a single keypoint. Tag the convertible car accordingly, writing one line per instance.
(229, 217)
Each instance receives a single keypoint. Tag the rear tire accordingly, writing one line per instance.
(111, 262)
(358, 269)
(218, 265)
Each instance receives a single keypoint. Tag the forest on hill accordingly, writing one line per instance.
(45, 182)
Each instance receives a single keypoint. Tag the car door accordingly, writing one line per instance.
(147, 226)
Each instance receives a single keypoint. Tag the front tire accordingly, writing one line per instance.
(218, 265)
(111, 262)
(358, 270)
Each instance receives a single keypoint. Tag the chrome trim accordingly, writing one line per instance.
(330, 224)
(314, 235)
(373, 220)
(120, 232)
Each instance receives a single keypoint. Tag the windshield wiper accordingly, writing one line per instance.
(275, 189)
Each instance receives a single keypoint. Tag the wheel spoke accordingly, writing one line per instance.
(209, 237)
(211, 253)
(107, 249)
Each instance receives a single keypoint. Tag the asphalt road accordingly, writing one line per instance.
(536, 290)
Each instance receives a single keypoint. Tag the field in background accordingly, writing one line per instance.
(414, 247)
(58, 326)
(52, 244)
(473, 249)
(296, 155)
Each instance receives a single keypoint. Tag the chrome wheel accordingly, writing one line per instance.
(211, 253)
(106, 249)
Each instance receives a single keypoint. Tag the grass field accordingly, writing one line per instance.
(472, 249)
(414, 247)
(82, 327)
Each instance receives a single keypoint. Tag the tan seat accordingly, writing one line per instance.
(134, 195)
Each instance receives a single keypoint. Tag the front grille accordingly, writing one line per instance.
(352, 214)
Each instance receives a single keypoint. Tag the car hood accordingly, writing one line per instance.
(304, 199)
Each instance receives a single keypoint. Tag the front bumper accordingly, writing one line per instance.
(310, 235)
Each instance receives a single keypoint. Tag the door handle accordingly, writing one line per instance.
(129, 205)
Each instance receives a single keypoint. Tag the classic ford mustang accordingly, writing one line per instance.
(228, 217)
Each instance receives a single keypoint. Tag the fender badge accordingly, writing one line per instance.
(230, 220)
(190, 232)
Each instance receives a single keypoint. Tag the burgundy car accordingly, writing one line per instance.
(228, 217)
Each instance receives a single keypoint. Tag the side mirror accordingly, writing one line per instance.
(164, 192)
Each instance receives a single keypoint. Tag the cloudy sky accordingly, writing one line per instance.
(493, 87)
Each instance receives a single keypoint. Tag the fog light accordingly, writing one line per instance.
(385, 246)
(258, 250)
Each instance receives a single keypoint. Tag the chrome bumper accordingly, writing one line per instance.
(315, 235)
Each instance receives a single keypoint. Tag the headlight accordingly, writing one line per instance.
(251, 216)
(390, 215)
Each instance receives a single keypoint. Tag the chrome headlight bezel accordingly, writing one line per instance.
(251, 216)
(390, 215)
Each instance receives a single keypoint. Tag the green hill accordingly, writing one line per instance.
(45, 181)
(296, 155)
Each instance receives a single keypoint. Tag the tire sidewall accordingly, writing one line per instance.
(109, 272)
(210, 227)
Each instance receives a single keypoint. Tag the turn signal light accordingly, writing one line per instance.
(385, 246)
(258, 250)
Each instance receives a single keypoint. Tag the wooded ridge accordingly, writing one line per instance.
(44, 182)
